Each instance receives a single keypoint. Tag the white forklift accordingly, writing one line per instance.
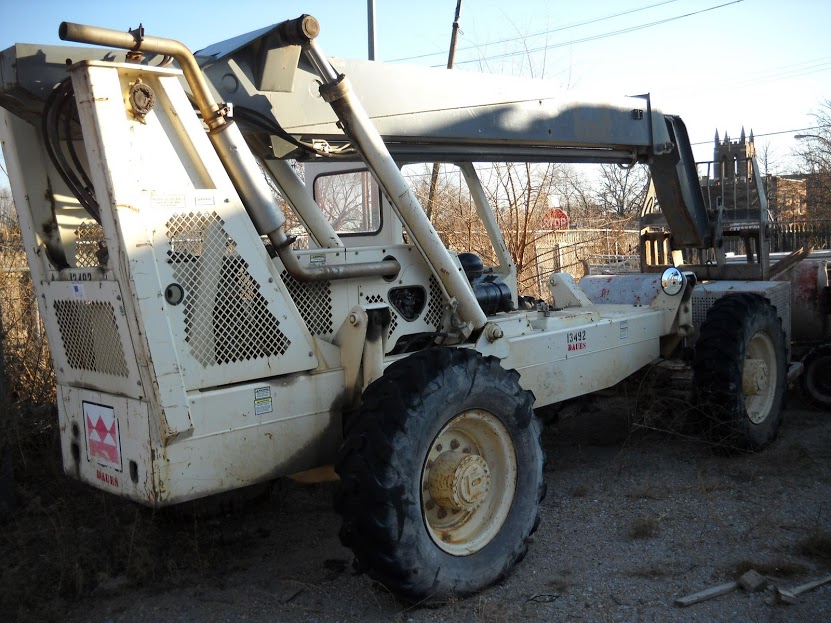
(199, 348)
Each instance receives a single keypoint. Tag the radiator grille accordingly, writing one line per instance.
(89, 242)
(314, 302)
(226, 316)
(434, 306)
(90, 336)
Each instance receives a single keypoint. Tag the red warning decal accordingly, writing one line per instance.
(103, 441)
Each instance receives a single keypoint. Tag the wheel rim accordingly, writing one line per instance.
(759, 377)
(468, 482)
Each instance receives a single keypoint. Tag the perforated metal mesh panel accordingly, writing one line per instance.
(89, 239)
(434, 306)
(375, 298)
(701, 305)
(314, 302)
(90, 336)
(779, 295)
(226, 317)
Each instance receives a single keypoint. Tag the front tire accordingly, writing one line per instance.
(740, 373)
(441, 474)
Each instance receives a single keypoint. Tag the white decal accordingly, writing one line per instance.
(78, 291)
(262, 400)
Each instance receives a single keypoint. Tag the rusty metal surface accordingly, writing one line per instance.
(810, 299)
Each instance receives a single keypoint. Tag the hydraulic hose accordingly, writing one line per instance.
(230, 146)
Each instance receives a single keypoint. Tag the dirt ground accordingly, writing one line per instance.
(635, 517)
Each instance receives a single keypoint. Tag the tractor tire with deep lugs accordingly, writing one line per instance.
(816, 378)
(740, 373)
(441, 474)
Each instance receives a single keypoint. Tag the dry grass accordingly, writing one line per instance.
(580, 491)
(658, 569)
(645, 527)
(817, 545)
(650, 492)
(776, 567)
(560, 583)
(65, 540)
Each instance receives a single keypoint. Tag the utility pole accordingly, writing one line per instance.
(370, 19)
(451, 56)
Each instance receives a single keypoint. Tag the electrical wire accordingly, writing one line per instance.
(539, 34)
(596, 37)
(270, 125)
(259, 120)
(816, 127)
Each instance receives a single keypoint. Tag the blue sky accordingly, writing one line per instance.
(764, 64)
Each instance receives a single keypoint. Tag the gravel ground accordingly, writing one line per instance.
(634, 519)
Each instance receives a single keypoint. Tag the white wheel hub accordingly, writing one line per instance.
(755, 377)
(468, 482)
(459, 481)
(759, 377)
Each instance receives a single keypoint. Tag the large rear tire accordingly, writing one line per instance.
(441, 474)
(740, 373)
(816, 378)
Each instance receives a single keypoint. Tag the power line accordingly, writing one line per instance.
(816, 127)
(600, 36)
(774, 74)
(545, 32)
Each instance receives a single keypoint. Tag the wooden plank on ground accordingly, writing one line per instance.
(710, 593)
(804, 588)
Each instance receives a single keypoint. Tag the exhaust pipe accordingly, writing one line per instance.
(233, 151)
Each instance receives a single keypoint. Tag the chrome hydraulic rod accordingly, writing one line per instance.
(233, 152)
(294, 191)
(356, 124)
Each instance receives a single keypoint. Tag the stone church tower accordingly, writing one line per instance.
(733, 158)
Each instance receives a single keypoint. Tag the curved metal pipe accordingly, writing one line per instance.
(136, 41)
(230, 145)
(281, 242)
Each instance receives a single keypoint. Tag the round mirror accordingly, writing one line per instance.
(672, 281)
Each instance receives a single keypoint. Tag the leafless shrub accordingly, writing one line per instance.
(28, 366)
(522, 196)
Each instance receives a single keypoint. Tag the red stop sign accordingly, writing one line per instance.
(555, 219)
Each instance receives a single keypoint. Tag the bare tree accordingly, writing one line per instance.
(814, 156)
(345, 199)
(621, 189)
(578, 194)
(454, 214)
(521, 194)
